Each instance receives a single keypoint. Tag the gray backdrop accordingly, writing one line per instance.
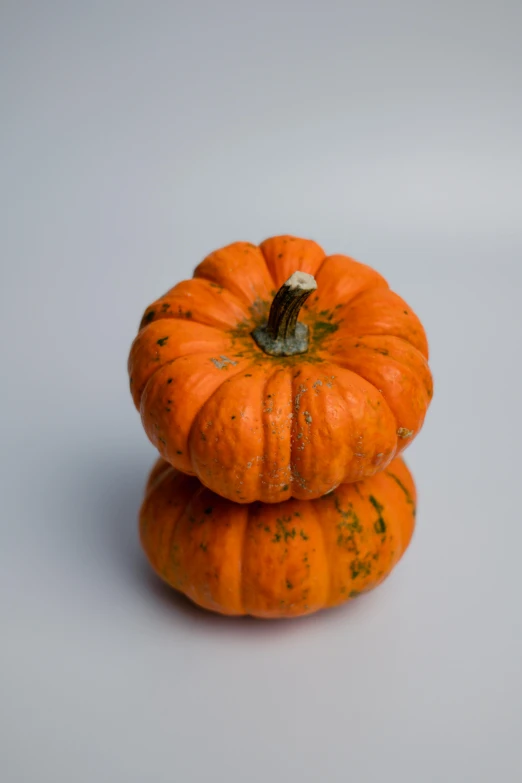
(136, 138)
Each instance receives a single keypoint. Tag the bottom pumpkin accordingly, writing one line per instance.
(276, 560)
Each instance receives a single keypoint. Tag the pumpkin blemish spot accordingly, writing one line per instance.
(147, 318)
(223, 363)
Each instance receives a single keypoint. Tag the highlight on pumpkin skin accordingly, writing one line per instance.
(276, 560)
(254, 420)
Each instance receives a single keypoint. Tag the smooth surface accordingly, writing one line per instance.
(136, 138)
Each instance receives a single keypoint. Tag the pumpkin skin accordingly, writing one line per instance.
(252, 426)
(275, 560)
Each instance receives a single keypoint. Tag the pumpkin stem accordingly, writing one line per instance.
(283, 335)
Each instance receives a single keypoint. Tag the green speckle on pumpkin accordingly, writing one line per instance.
(380, 524)
(350, 521)
(375, 503)
(360, 568)
(162, 340)
(322, 329)
(406, 491)
(282, 531)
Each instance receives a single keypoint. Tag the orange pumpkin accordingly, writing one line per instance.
(232, 388)
(279, 559)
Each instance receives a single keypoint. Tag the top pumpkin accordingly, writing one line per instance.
(231, 391)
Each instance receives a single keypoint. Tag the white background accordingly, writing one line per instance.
(136, 138)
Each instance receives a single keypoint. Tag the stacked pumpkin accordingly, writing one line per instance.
(280, 386)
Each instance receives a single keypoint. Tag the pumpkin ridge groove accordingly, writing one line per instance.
(363, 374)
(244, 298)
(328, 565)
(167, 364)
(332, 356)
(159, 480)
(264, 418)
(176, 316)
(231, 374)
(372, 286)
(317, 271)
(271, 276)
(175, 523)
(242, 559)
(187, 321)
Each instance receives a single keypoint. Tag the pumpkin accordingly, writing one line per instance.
(259, 405)
(276, 559)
